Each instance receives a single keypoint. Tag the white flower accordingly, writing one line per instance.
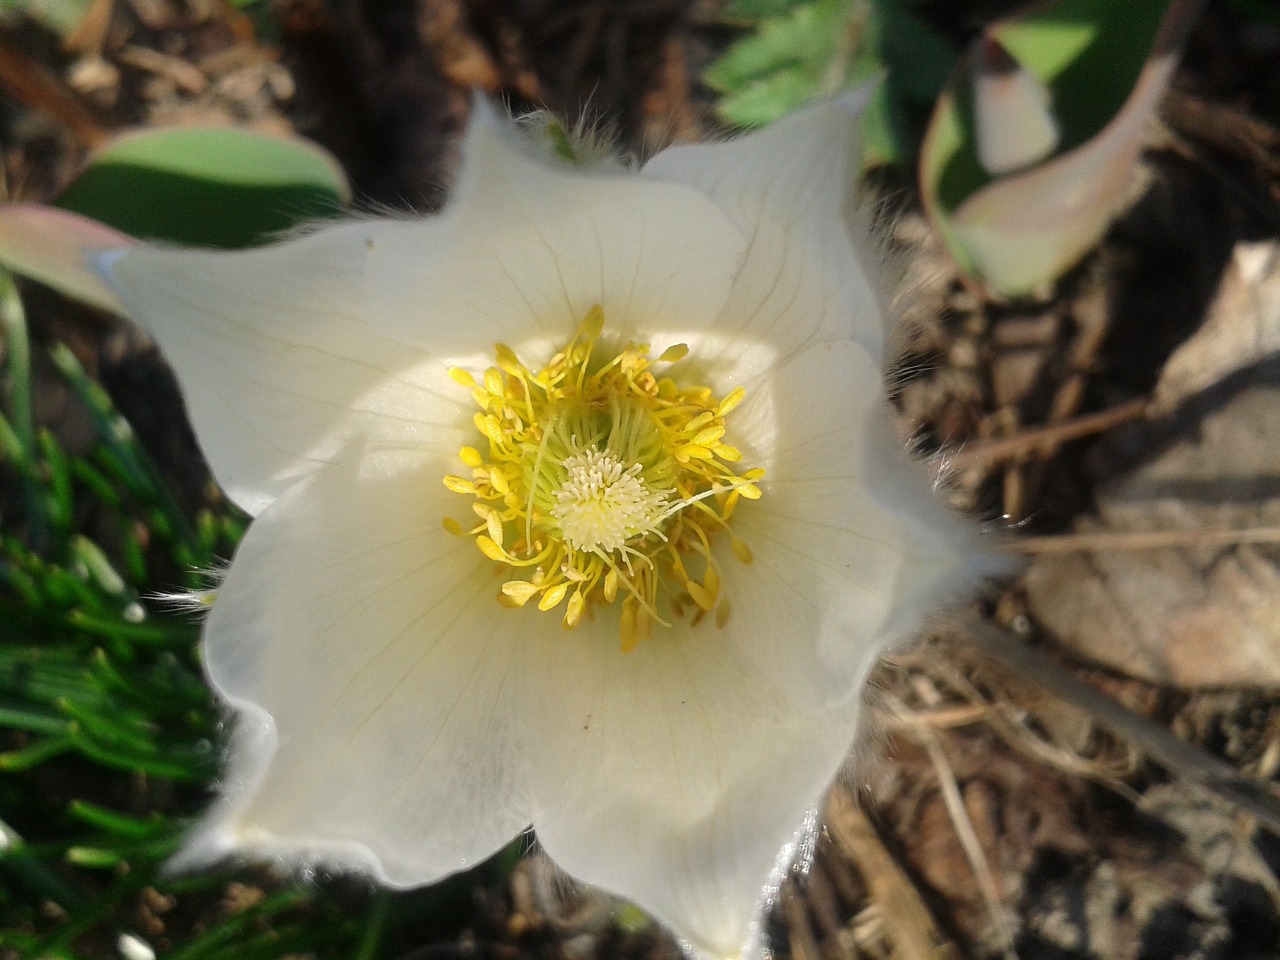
(409, 410)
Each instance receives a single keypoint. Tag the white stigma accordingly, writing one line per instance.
(603, 503)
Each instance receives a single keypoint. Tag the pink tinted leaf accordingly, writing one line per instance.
(1028, 228)
(57, 248)
(1032, 149)
(1013, 116)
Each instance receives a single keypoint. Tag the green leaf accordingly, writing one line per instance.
(207, 186)
(57, 247)
(761, 102)
(1089, 53)
(753, 10)
(115, 823)
(37, 753)
(236, 926)
(916, 60)
(802, 40)
(882, 138)
(1022, 208)
(60, 16)
(31, 718)
(799, 51)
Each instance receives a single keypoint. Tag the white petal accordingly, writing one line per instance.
(524, 250)
(944, 555)
(852, 548)
(279, 369)
(376, 674)
(675, 774)
(811, 272)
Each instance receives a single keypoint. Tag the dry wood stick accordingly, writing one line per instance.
(1042, 439)
(1178, 756)
(31, 83)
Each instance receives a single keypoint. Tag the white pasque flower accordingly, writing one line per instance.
(646, 405)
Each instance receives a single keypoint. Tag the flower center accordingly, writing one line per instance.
(602, 503)
(601, 482)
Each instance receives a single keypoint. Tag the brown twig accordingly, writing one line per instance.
(31, 83)
(962, 823)
(1092, 316)
(1142, 540)
(180, 72)
(1225, 127)
(91, 34)
(908, 922)
(803, 943)
(1042, 441)
(1158, 742)
(1093, 324)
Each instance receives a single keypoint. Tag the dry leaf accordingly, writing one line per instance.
(1199, 617)
(1242, 326)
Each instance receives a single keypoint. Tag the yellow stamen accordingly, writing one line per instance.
(600, 480)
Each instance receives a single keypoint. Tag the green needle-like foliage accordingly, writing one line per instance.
(108, 733)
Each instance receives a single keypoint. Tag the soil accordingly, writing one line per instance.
(993, 818)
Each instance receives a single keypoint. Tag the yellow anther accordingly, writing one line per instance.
(519, 591)
(508, 360)
(573, 612)
(604, 484)
(644, 624)
(698, 422)
(677, 567)
(491, 549)
(593, 323)
(674, 353)
(499, 481)
(700, 595)
(493, 382)
(741, 550)
(635, 625)
(493, 523)
(452, 526)
(491, 427)
(729, 505)
(711, 580)
(731, 400)
(459, 484)
(710, 435)
(553, 596)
